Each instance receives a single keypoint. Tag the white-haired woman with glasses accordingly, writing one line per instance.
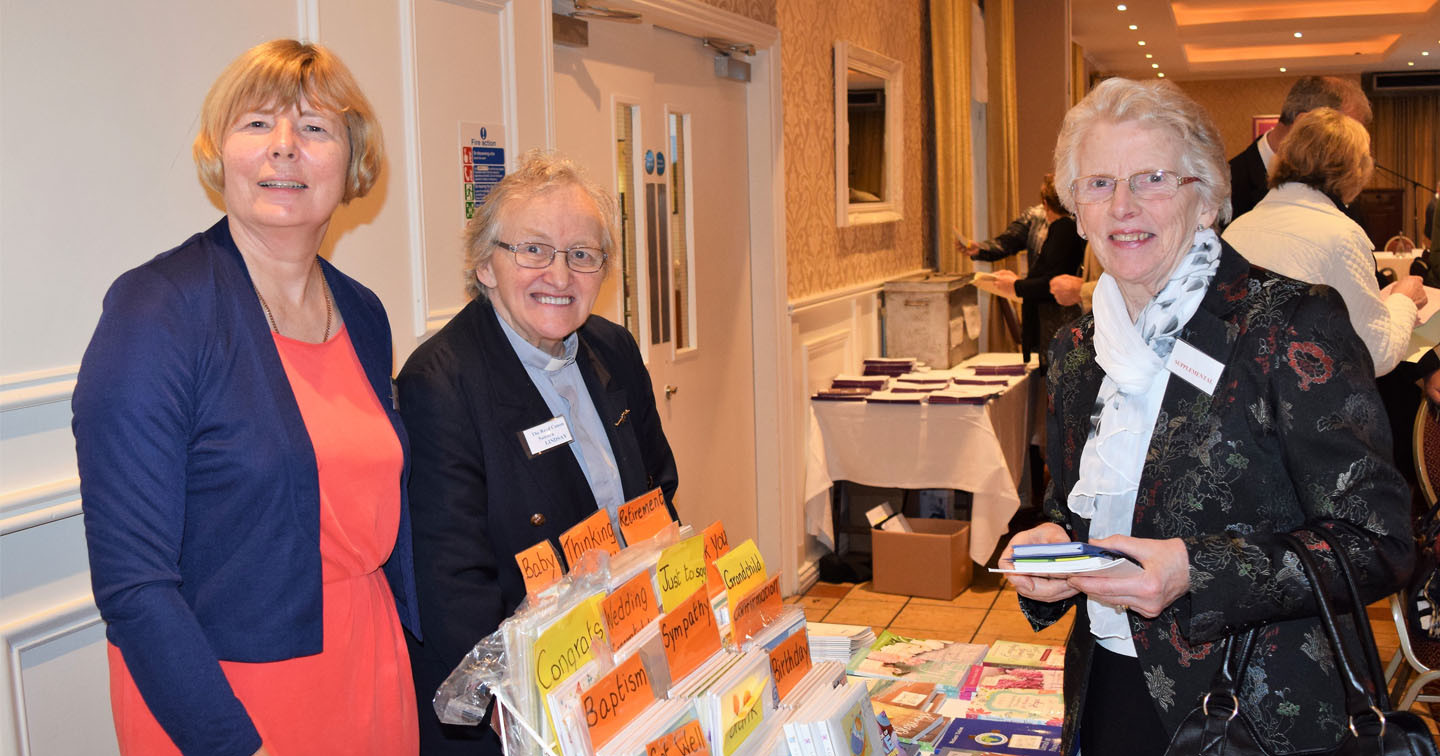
(1202, 407)
(524, 355)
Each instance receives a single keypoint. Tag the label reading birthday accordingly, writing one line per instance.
(789, 661)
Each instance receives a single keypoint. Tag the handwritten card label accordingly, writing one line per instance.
(758, 607)
(616, 700)
(629, 608)
(742, 570)
(540, 567)
(789, 661)
(546, 436)
(593, 532)
(566, 645)
(741, 712)
(717, 544)
(686, 740)
(643, 516)
(680, 571)
(690, 635)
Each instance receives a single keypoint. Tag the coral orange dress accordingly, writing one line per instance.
(355, 696)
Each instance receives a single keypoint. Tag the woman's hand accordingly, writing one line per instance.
(1005, 284)
(1031, 586)
(1412, 287)
(1166, 576)
(1066, 289)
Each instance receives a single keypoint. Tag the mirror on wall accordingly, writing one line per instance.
(869, 124)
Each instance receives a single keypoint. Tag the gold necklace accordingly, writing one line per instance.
(324, 289)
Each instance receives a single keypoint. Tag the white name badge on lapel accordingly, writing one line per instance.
(1201, 370)
(546, 436)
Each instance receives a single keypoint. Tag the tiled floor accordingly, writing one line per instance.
(988, 611)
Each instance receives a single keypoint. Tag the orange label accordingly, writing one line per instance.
(758, 607)
(687, 740)
(690, 635)
(643, 516)
(616, 700)
(593, 532)
(716, 545)
(790, 661)
(540, 566)
(629, 608)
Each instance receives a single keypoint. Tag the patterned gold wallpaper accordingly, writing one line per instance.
(756, 10)
(821, 256)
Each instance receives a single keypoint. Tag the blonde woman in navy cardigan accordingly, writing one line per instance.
(234, 397)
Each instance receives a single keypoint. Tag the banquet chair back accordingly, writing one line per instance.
(1414, 607)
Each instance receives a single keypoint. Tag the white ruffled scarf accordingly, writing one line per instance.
(1133, 356)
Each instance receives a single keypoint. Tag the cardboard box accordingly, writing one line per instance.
(932, 562)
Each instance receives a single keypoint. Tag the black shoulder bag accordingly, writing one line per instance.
(1217, 727)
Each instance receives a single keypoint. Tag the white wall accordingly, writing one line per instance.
(98, 106)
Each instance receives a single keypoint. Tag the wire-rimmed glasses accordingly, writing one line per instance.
(541, 255)
(1145, 185)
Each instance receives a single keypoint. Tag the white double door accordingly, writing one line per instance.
(643, 110)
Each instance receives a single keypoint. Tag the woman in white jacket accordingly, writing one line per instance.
(1299, 230)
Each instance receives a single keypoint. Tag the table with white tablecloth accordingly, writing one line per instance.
(967, 447)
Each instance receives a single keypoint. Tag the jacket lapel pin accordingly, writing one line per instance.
(623, 414)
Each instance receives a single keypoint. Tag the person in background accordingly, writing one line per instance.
(523, 354)
(1299, 231)
(1062, 253)
(1250, 170)
(1024, 234)
(240, 457)
(1278, 427)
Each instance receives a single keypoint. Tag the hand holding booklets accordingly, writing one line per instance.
(1072, 558)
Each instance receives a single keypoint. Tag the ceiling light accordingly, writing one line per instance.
(1120, 7)
(1424, 52)
(1141, 43)
(1298, 35)
(1133, 27)
(1154, 65)
(1282, 69)
(1148, 56)
(1410, 63)
(1161, 74)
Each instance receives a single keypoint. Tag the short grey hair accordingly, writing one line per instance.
(1311, 92)
(1157, 104)
(539, 171)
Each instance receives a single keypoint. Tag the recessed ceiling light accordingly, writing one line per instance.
(1120, 7)
(1282, 69)
(1161, 74)
(1298, 35)
(1148, 56)
(1141, 43)
(1133, 27)
(1154, 65)
(1424, 52)
(1410, 63)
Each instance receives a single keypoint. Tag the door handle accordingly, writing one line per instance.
(670, 390)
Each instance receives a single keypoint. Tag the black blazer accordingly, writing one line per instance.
(1248, 180)
(1040, 315)
(477, 498)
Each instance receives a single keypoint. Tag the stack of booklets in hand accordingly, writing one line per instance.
(1068, 558)
(897, 657)
(829, 642)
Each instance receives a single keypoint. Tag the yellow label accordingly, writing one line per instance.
(566, 645)
(680, 571)
(741, 712)
(742, 570)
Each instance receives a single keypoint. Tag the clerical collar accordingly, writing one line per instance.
(534, 357)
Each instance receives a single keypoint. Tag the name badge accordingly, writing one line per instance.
(546, 436)
(1199, 369)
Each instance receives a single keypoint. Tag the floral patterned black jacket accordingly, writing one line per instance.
(1293, 436)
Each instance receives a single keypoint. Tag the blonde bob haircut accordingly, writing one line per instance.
(1157, 104)
(539, 172)
(1328, 151)
(276, 75)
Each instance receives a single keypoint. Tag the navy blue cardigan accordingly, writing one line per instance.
(199, 486)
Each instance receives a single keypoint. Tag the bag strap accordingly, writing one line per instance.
(1362, 620)
(1358, 701)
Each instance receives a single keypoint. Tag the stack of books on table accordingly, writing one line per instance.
(997, 363)
(829, 642)
(891, 366)
(965, 394)
(898, 657)
(852, 388)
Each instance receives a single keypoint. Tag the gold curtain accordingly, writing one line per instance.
(1079, 86)
(1406, 133)
(1003, 154)
(954, 170)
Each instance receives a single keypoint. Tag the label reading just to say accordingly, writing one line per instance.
(680, 571)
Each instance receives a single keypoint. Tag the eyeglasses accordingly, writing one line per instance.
(1145, 185)
(538, 255)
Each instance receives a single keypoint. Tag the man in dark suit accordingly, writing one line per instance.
(1249, 169)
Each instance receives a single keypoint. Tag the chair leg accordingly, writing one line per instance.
(1413, 692)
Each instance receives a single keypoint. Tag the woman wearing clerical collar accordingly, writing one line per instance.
(527, 414)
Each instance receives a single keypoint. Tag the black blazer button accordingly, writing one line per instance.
(537, 519)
